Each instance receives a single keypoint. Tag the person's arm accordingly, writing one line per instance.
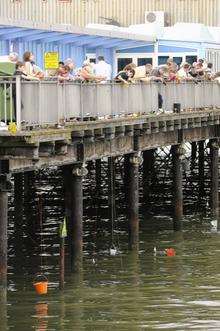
(121, 79)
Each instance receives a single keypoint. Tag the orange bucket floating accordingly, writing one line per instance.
(170, 252)
(41, 284)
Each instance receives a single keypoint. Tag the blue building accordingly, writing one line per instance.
(139, 43)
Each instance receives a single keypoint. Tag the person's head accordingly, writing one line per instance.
(69, 62)
(199, 65)
(63, 70)
(101, 58)
(210, 65)
(60, 64)
(200, 61)
(148, 68)
(163, 70)
(130, 66)
(130, 73)
(13, 57)
(28, 57)
(20, 66)
(186, 66)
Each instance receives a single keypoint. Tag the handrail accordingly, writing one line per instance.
(49, 102)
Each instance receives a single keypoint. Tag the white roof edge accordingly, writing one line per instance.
(68, 28)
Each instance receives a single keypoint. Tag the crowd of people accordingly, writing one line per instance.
(101, 72)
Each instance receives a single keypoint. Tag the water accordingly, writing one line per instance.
(129, 291)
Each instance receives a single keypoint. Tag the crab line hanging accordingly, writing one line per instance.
(40, 280)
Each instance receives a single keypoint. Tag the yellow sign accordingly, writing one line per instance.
(51, 60)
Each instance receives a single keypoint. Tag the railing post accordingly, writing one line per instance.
(81, 101)
(18, 102)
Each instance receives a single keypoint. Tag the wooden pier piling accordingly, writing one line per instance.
(18, 199)
(126, 177)
(133, 201)
(148, 164)
(77, 217)
(193, 154)
(98, 173)
(214, 154)
(201, 167)
(177, 187)
(4, 188)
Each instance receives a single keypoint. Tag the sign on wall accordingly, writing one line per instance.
(51, 60)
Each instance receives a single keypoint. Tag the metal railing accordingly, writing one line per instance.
(50, 103)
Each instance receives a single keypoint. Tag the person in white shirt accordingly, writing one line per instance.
(183, 73)
(103, 69)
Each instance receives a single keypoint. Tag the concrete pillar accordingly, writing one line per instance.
(133, 201)
(148, 164)
(201, 167)
(214, 154)
(177, 187)
(77, 217)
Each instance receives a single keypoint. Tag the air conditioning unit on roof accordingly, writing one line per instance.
(156, 18)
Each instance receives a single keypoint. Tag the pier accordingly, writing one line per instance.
(69, 125)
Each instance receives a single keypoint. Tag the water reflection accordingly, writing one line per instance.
(3, 309)
(41, 310)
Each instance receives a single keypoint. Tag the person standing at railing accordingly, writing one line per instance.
(184, 72)
(13, 57)
(72, 68)
(103, 69)
(64, 73)
(20, 71)
(30, 68)
(125, 76)
(85, 74)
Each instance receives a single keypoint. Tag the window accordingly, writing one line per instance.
(142, 61)
(123, 62)
(178, 60)
(191, 58)
(162, 59)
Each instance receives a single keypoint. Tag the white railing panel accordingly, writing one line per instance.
(70, 100)
(30, 102)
